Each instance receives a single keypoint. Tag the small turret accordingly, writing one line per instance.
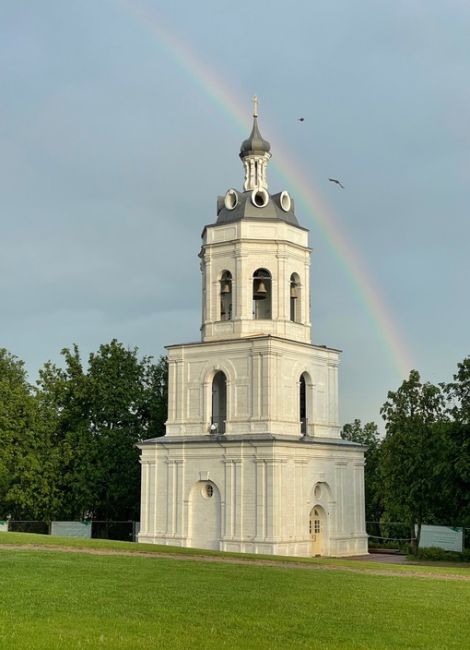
(255, 153)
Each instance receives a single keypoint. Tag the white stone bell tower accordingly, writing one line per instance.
(252, 459)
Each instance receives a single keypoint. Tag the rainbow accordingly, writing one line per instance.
(213, 85)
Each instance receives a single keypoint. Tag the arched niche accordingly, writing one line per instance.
(204, 515)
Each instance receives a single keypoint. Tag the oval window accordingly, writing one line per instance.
(286, 202)
(231, 200)
(260, 198)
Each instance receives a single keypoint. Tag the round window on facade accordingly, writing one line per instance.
(208, 491)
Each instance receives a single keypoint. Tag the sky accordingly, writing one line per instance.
(121, 123)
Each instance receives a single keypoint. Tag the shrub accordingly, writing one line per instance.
(440, 555)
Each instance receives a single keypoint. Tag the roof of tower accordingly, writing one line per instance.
(255, 144)
(244, 207)
(255, 202)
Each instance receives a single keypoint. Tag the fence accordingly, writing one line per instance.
(393, 534)
(126, 531)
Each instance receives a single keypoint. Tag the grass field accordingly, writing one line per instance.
(74, 600)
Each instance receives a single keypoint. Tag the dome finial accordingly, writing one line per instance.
(255, 106)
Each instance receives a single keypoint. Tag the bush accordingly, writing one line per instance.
(435, 554)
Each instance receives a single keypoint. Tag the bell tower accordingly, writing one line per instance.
(252, 453)
(255, 259)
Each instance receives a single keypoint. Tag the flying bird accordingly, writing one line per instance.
(301, 119)
(335, 180)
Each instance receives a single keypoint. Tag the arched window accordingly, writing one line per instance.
(303, 405)
(294, 297)
(262, 303)
(219, 403)
(226, 296)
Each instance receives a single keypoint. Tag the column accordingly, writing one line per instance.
(229, 500)
(178, 500)
(144, 497)
(237, 492)
(260, 500)
(340, 469)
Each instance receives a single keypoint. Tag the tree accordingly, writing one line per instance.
(97, 417)
(16, 421)
(458, 393)
(368, 436)
(411, 450)
(62, 396)
(457, 469)
(28, 459)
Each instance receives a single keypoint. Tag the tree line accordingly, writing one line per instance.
(419, 472)
(68, 444)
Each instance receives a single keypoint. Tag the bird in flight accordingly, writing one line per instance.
(301, 119)
(335, 180)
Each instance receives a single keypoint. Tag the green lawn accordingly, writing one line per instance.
(71, 600)
(132, 547)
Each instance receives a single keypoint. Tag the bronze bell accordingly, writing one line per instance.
(260, 291)
(293, 291)
(226, 288)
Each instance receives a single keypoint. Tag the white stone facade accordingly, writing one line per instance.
(252, 459)
(262, 378)
(264, 495)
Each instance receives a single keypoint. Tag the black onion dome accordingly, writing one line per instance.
(255, 144)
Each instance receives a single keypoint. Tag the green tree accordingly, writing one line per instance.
(411, 450)
(368, 436)
(28, 458)
(16, 422)
(97, 416)
(458, 393)
(63, 399)
(456, 474)
(125, 400)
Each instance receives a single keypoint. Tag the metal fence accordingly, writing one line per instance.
(393, 534)
(126, 531)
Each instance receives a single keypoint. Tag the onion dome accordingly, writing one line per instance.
(255, 144)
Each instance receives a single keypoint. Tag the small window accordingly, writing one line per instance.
(316, 528)
(209, 490)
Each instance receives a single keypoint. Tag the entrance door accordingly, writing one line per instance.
(316, 531)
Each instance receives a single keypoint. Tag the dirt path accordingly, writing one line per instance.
(235, 560)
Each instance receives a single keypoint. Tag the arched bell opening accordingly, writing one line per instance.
(219, 403)
(294, 298)
(262, 295)
(226, 296)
